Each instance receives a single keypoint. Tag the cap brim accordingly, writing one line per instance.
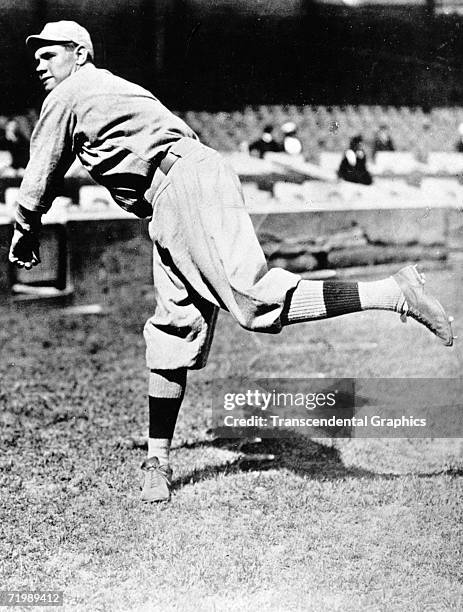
(35, 41)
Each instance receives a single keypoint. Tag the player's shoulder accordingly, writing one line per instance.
(66, 92)
(92, 83)
(124, 86)
(90, 80)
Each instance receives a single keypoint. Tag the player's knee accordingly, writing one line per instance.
(256, 321)
(249, 323)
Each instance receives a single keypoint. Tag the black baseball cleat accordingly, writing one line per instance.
(157, 481)
(422, 307)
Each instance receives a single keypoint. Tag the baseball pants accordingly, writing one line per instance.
(206, 256)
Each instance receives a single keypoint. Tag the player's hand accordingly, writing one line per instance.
(24, 249)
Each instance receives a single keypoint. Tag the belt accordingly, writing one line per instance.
(167, 162)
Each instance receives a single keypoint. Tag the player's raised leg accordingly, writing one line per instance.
(403, 293)
(210, 238)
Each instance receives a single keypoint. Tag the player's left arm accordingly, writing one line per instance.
(50, 158)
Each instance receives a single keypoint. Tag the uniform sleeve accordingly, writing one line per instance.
(51, 156)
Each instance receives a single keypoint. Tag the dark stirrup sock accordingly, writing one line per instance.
(166, 391)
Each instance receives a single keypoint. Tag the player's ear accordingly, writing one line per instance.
(81, 54)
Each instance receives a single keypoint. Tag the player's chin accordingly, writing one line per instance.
(48, 84)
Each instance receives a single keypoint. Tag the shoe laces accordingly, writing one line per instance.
(156, 477)
(158, 474)
(415, 314)
(405, 309)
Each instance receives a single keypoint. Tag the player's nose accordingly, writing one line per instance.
(41, 66)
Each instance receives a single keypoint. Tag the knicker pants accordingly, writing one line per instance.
(206, 256)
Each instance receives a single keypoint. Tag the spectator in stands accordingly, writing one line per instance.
(425, 143)
(291, 143)
(353, 166)
(17, 144)
(459, 143)
(383, 140)
(3, 142)
(265, 144)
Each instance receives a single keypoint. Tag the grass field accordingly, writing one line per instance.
(324, 525)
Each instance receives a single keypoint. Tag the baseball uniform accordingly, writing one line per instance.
(206, 254)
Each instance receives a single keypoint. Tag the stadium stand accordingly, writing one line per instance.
(332, 126)
(325, 132)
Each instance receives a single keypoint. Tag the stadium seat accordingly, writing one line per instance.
(445, 163)
(298, 165)
(319, 195)
(290, 195)
(330, 160)
(393, 187)
(442, 191)
(319, 192)
(94, 197)
(254, 197)
(5, 159)
(11, 194)
(247, 167)
(395, 192)
(394, 163)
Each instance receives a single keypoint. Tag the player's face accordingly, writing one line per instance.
(54, 64)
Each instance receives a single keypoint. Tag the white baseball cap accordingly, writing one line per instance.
(289, 127)
(61, 32)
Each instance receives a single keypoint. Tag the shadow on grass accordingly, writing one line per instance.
(298, 454)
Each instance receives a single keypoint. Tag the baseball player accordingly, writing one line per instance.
(205, 253)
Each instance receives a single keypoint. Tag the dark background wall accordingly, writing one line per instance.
(224, 54)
